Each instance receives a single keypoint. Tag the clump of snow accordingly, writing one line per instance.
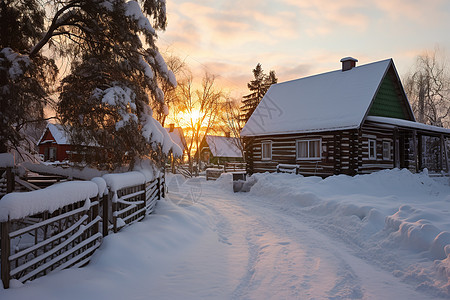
(116, 182)
(6, 160)
(16, 62)
(133, 10)
(225, 180)
(153, 132)
(123, 98)
(147, 168)
(101, 183)
(20, 205)
(72, 173)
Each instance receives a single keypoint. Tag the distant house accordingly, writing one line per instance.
(220, 149)
(54, 144)
(177, 135)
(354, 120)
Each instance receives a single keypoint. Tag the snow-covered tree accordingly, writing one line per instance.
(105, 98)
(258, 88)
(115, 71)
(25, 78)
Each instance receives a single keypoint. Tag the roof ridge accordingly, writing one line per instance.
(329, 72)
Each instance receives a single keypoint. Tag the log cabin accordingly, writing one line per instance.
(354, 120)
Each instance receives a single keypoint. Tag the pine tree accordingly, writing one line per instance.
(113, 111)
(258, 88)
(25, 80)
(114, 75)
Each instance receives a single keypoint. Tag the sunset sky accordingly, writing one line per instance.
(300, 38)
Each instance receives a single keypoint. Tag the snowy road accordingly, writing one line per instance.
(289, 238)
(278, 255)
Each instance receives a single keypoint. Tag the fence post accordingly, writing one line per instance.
(105, 223)
(163, 177)
(159, 188)
(9, 180)
(114, 210)
(5, 252)
(144, 186)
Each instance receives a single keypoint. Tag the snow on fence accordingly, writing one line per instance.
(59, 226)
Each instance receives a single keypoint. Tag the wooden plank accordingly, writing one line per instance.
(5, 253)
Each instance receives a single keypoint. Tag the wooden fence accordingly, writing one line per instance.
(37, 244)
(215, 172)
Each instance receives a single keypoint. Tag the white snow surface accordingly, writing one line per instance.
(408, 124)
(222, 146)
(329, 101)
(118, 181)
(17, 62)
(133, 10)
(291, 237)
(6, 160)
(19, 205)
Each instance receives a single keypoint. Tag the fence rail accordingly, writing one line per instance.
(34, 245)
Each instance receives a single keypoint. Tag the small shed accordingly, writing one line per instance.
(220, 149)
(354, 120)
(54, 143)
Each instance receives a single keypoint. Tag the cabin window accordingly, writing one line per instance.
(372, 149)
(266, 150)
(387, 150)
(309, 149)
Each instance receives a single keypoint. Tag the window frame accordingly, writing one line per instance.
(262, 150)
(374, 156)
(389, 157)
(308, 140)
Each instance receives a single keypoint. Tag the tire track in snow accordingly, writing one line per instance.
(288, 258)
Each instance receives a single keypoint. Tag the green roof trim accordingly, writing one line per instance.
(389, 101)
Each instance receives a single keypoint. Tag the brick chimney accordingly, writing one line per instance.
(348, 63)
(227, 133)
(171, 127)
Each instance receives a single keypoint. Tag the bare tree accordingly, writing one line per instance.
(428, 88)
(171, 97)
(202, 107)
(231, 121)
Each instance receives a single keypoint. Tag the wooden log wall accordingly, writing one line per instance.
(343, 152)
(340, 153)
(380, 135)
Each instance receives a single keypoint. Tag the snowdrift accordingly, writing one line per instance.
(396, 219)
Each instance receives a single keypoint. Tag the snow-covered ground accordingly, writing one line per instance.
(378, 236)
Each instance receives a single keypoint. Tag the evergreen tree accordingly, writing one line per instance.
(25, 80)
(113, 111)
(258, 88)
(114, 74)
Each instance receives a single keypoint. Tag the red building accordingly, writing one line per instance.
(54, 144)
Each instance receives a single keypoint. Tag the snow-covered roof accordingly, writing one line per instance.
(408, 124)
(335, 100)
(177, 136)
(59, 134)
(222, 146)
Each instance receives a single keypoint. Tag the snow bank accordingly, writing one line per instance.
(20, 205)
(101, 184)
(6, 160)
(382, 212)
(118, 181)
